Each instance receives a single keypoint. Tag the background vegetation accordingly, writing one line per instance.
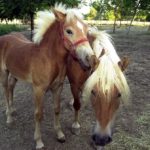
(25, 10)
(7, 28)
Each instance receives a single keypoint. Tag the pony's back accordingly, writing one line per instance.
(20, 36)
(15, 52)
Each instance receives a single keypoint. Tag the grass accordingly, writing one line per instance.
(134, 29)
(7, 28)
(144, 119)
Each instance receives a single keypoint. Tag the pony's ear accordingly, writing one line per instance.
(123, 64)
(60, 16)
(94, 63)
(91, 38)
(93, 92)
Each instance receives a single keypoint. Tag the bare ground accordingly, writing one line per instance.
(132, 127)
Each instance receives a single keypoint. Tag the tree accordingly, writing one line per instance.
(135, 9)
(102, 7)
(115, 4)
(145, 5)
(10, 9)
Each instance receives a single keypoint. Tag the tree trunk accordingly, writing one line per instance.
(32, 23)
(6, 21)
(120, 23)
(149, 28)
(115, 13)
(121, 9)
(135, 11)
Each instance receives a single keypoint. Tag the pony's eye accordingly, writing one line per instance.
(69, 31)
(119, 95)
(93, 93)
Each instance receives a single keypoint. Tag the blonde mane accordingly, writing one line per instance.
(108, 74)
(46, 18)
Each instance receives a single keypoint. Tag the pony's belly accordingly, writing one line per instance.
(24, 77)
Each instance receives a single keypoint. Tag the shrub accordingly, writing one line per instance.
(7, 28)
(148, 17)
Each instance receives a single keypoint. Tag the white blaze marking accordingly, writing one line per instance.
(79, 24)
(106, 131)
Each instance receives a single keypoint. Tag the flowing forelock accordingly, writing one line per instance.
(46, 18)
(103, 41)
(72, 13)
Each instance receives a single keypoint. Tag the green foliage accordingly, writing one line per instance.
(148, 17)
(10, 9)
(70, 3)
(145, 5)
(26, 9)
(123, 9)
(102, 7)
(141, 15)
(110, 15)
(7, 28)
(92, 14)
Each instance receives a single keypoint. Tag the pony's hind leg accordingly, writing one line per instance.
(76, 105)
(56, 96)
(11, 84)
(4, 78)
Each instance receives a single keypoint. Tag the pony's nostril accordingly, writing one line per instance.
(101, 141)
(87, 58)
(108, 139)
(94, 138)
(98, 140)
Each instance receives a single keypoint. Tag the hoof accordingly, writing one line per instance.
(76, 131)
(76, 128)
(39, 145)
(9, 121)
(40, 148)
(62, 139)
(43, 148)
(13, 112)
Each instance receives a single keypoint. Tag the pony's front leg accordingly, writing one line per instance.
(76, 105)
(56, 96)
(38, 114)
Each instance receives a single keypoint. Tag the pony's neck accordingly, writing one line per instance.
(52, 40)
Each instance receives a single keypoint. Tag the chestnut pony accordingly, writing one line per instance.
(43, 62)
(106, 87)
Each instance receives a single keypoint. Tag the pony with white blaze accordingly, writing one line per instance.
(108, 72)
(83, 49)
(45, 18)
(58, 33)
(106, 87)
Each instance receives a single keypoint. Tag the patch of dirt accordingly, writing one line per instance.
(132, 127)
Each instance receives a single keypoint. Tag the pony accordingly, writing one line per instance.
(42, 63)
(106, 87)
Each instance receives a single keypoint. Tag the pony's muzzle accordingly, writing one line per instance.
(93, 62)
(101, 140)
